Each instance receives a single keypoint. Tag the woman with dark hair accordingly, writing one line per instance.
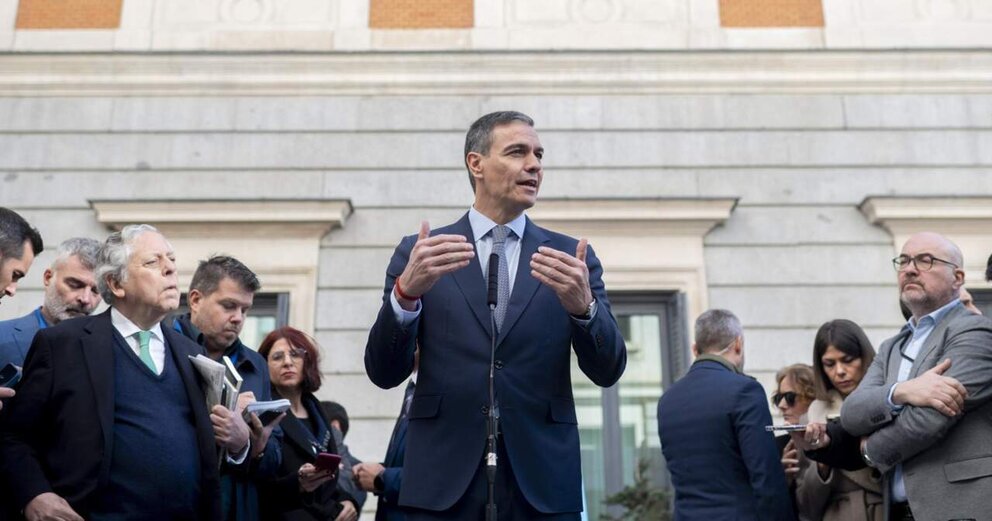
(301, 492)
(842, 354)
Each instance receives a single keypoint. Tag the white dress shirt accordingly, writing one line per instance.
(128, 329)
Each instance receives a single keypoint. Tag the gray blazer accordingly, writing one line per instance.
(947, 462)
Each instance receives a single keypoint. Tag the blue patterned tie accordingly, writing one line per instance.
(500, 233)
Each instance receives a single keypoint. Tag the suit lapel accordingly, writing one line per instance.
(936, 338)
(895, 354)
(524, 285)
(470, 280)
(294, 431)
(179, 349)
(98, 351)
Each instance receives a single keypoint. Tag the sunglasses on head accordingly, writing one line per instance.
(790, 398)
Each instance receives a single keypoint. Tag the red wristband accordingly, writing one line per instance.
(399, 291)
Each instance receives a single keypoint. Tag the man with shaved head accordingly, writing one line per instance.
(923, 409)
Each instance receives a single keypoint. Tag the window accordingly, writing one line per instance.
(618, 425)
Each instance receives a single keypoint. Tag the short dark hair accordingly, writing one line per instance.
(210, 272)
(479, 138)
(849, 339)
(14, 232)
(336, 411)
(299, 340)
(988, 270)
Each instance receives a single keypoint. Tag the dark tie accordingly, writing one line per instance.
(500, 233)
(407, 399)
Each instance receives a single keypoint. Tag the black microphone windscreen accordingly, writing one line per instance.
(493, 293)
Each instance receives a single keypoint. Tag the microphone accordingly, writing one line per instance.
(492, 296)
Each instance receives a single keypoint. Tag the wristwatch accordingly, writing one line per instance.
(590, 309)
(864, 456)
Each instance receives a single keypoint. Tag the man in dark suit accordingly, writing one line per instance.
(711, 423)
(110, 421)
(551, 300)
(386, 478)
(19, 244)
(70, 291)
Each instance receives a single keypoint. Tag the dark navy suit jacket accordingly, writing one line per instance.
(15, 338)
(388, 508)
(447, 431)
(724, 464)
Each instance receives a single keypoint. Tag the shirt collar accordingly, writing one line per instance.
(42, 323)
(126, 328)
(935, 317)
(481, 225)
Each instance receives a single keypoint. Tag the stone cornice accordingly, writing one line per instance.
(494, 73)
(298, 218)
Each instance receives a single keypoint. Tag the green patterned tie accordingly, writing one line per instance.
(144, 338)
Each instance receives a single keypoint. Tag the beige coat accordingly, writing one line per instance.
(843, 495)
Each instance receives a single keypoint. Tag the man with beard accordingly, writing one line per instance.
(110, 421)
(923, 409)
(70, 291)
(220, 295)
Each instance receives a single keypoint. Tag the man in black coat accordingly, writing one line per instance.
(109, 421)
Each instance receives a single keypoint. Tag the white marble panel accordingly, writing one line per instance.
(823, 265)
(71, 40)
(348, 308)
(344, 351)
(353, 267)
(384, 227)
(792, 225)
(76, 189)
(809, 306)
(841, 185)
(55, 114)
(917, 111)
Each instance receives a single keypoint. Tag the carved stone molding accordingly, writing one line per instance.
(965, 220)
(278, 239)
(644, 244)
(502, 73)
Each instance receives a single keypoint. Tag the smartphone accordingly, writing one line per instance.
(789, 427)
(328, 461)
(9, 375)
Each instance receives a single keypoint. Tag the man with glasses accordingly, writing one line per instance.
(923, 409)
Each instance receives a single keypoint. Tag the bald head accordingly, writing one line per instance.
(933, 277)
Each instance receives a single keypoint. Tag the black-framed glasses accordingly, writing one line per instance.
(923, 262)
(790, 398)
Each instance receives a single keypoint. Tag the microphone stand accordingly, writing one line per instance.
(492, 420)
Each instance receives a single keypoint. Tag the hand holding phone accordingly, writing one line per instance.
(10, 375)
(328, 461)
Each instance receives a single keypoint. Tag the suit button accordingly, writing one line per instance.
(499, 364)
(485, 410)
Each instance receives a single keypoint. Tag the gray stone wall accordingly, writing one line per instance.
(795, 252)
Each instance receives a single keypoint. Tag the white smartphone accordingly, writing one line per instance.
(789, 427)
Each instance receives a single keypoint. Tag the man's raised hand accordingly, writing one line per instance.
(430, 259)
(566, 275)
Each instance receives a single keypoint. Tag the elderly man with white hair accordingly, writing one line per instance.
(70, 292)
(110, 421)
